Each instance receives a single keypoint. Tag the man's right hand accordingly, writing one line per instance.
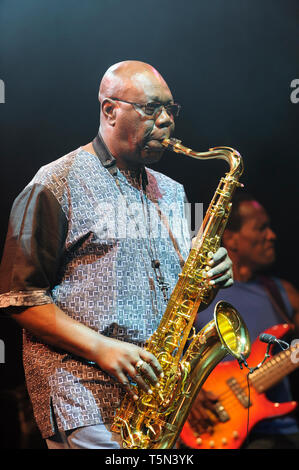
(50, 324)
(120, 359)
(203, 414)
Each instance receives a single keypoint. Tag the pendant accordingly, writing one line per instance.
(155, 263)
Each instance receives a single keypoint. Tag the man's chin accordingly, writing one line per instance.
(267, 262)
(270, 256)
(151, 154)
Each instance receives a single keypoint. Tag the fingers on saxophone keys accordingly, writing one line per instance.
(144, 373)
(126, 384)
(226, 280)
(220, 273)
(142, 384)
(154, 364)
(220, 255)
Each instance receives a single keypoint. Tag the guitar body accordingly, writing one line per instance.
(232, 433)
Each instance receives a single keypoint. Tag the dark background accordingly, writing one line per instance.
(229, 63)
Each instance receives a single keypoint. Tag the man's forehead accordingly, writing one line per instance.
(150, 85)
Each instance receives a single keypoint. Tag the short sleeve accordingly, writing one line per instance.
(33, 248)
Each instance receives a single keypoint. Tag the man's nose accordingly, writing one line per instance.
(271, 235)
(164, 119)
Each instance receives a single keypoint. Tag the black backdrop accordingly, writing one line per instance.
(230, 63)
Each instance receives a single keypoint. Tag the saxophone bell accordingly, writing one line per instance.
(232, 330)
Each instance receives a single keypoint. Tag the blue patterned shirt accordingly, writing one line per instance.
(85, 243)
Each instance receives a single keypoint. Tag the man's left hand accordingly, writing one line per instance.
(221, 273)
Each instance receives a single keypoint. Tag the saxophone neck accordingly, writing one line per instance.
(230, 155)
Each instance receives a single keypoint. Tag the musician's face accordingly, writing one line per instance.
(255, 240)
(140, 135)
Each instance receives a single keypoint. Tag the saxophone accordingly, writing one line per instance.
(155, 420)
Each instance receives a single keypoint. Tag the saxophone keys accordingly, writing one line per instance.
(151, 429)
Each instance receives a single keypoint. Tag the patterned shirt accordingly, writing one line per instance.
(85, 238)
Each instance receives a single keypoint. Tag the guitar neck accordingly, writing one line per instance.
(275, 369)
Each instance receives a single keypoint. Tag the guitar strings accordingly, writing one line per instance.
(273, 364)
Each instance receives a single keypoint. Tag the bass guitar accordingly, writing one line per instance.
(229, 383)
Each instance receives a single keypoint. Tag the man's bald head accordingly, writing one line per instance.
(124, 79)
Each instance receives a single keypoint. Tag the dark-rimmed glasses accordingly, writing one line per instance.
(154, 108)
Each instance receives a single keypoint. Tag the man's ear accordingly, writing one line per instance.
(109, 111)
(230, 240)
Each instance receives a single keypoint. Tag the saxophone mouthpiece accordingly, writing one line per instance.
(170, 143)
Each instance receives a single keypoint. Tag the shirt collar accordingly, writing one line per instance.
(105, 157)
(107, 160)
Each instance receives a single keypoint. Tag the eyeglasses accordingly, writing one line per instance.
(154, 109)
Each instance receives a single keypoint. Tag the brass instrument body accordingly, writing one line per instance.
(154, 421)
